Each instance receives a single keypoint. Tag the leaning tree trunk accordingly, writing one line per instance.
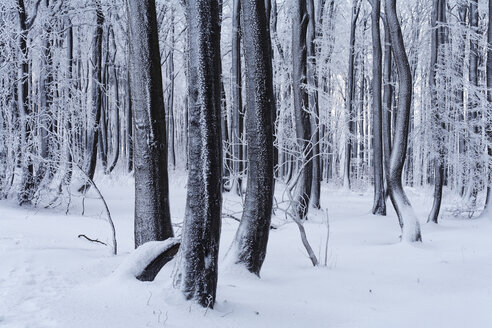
(152, 214)
(301, 106)
(408, 220)
(350, 95)
(379, 205)
(96, 95)
(197, 277)
(438, 39)
(249, 246)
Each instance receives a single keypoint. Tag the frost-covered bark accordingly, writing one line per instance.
(27, 190)
(96, 94)
(312, 85)
(379, 205)
(250, 243)
(301, 106)
(152, 215)
(237, 101)
(197, 277)
(438, 39)
(350, 95)
(488, 198)
(408, 220)
(387, 100)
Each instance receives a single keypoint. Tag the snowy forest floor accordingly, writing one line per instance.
(51, 278)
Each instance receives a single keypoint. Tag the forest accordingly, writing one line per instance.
(245, 163)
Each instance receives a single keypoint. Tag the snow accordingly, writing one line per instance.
(51, 278)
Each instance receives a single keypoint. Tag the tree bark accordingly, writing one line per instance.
(301, 106)
(96, 95)
(350, 95)
(152, 214)
(438, 39)
(197, 276)
(408, 221)
(379, 205)
(249, 246)
(488, 198)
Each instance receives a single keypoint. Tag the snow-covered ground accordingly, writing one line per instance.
(51, 278)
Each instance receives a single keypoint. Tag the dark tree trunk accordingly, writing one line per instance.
(249, 247)
(170, 106)
(197, 276)
(301, 106)
(379, 205)
(475, 149)
(408, 221)
(387, 102)
(28, 186)
(129, 122)
(115, 82)
(96, 95)
(237, 102)
(152, 214)
(438, 39)
(312, 83)
(350, 95)
(488, 198)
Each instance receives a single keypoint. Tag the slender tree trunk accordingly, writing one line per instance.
(237, 102)
(488, 199)
(172, 154)
(408, 220)
(301, 106)
(129, 122)
(312, 83)
(197, 275)
(350, 95)
(152, 214)
(387, 102)
(438, 40)
(115, 82)
(379, 205)
(96, 95)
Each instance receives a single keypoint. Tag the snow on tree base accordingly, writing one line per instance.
(146, 261)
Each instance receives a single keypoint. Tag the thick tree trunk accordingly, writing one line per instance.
(301, 106)
(152, 214)
(379, 205)
(408, 220)
(249, 246)
(197, 275)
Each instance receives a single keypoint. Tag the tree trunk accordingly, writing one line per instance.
(249, 246)
(197, 276)
(312, 84)
(152, 214)
(350, 96)
(408, 220)
(301, 106)
(438, 39)
(488, 199)
(379, 205)
(96, 95)
(387, 102)
(237, 102)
